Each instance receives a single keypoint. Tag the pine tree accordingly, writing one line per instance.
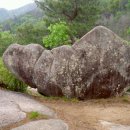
(81, 15)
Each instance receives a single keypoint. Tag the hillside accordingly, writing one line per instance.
(10, 14)
(4, 14)
(29, 17)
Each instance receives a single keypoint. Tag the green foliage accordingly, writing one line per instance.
(30, 33)
(51, 98)
(80, 17)
(126, 99)
(9, 81)
(36, 116)
(33, 115)
(6, 38)
(128, 5)
(59, 35)
(114, 6)
(30, 17)
(128, 31)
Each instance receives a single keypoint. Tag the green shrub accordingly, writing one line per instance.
(59, 35)
(9, 81)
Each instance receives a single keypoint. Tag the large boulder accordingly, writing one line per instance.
(97, 66)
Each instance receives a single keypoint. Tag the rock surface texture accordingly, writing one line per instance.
(97, 66)
(112, 126)
(10, 113)
(14, 106)
(44, 125)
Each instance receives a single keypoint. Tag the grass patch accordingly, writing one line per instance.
(36, 116)
(65, 99)
(9, 81)
(126, 98)
(33, 115)
(70, 99)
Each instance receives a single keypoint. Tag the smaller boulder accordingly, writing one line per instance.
(10, 113)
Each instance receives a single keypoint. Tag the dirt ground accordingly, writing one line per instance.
(86, 115)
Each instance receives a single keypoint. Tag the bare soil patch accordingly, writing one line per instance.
(85, 115)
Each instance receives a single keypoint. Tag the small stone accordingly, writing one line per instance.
(113, 126)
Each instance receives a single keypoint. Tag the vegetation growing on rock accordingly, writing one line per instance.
(9, 81)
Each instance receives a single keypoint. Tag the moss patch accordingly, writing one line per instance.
(36, 116)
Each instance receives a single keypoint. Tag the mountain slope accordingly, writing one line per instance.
(10, 14)
(22, 10)
(4, 14)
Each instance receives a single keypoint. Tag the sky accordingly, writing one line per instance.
(13, 4)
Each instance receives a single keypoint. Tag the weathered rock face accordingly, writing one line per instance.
(10, 113)
(21, 61)
(97, 66)
(51, 124)
(14, 107)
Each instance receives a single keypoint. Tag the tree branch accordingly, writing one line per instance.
(74, 12)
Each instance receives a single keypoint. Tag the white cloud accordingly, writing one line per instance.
(13, 4)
